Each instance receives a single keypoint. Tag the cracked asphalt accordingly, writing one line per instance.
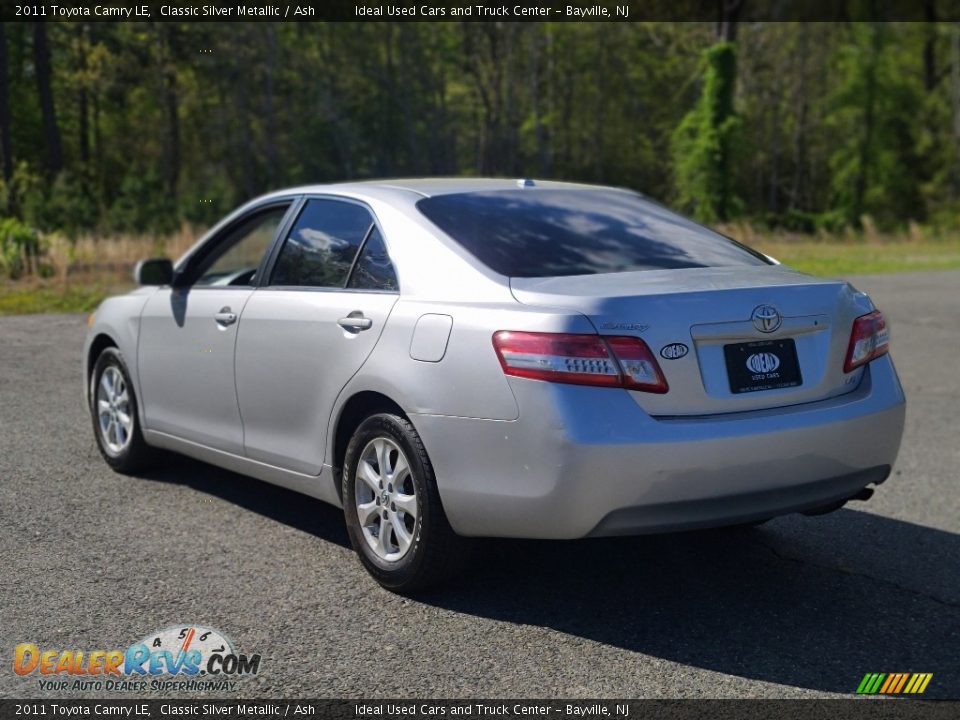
(802, 607)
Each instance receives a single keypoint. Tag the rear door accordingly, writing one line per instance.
(308, 329)
(188, 334)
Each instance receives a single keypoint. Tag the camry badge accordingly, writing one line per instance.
(673, 351)
(766, 318)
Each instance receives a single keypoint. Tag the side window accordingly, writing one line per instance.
(320, 248)
(235, 262)
(373, 270)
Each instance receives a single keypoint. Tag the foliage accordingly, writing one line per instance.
(875, 165)
(20, 247)
(34, 297)
(797, 125)
(704, 142)
(141, 203)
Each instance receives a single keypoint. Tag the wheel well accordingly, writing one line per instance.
(99, 344)
(355, 411)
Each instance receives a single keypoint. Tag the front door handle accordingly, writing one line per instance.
(355, 322)
(225, 317)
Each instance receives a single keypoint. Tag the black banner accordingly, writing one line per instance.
(868, 709)
(472, 11)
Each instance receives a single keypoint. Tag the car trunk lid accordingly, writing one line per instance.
(728, 339)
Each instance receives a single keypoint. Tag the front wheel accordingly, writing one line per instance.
(113, 409)
(392, 508)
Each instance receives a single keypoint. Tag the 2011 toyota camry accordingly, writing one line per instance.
(456, 358)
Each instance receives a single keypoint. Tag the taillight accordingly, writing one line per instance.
(580, 359)
(869, 340)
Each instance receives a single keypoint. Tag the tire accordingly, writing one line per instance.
(117, 430)
(404, 540)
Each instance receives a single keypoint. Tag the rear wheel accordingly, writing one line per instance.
(394, 517)
(113, 409)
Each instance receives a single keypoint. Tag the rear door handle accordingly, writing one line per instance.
(225, 317)
(355, 322)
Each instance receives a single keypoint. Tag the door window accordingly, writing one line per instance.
(373, 270)
(321, 247)
(234, 261)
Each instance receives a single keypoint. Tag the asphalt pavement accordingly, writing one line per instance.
(802, 607)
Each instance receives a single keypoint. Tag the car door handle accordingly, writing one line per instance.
(356, 323)
(225, 317)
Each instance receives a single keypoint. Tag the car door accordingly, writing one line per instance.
(309, 327)
(188, 335)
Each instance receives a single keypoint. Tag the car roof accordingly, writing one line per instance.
(431, 187)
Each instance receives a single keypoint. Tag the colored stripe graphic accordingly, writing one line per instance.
(894, 683)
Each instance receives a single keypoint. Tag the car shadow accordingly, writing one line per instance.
(291, 508)
(807, 602)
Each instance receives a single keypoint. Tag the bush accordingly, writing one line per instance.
(142, 205)
(21, 248)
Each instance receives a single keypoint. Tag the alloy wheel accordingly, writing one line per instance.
(386, 499)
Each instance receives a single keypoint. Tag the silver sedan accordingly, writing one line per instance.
(448, 359)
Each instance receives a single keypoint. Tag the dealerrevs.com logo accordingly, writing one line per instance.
(177, 658)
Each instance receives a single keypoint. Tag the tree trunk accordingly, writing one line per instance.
(728, 12)
(83, 109)
(166, 51)
(540, 135)
(930, 46)
(866, 141)
(270, 149)
(798, 190)
(955, 92)
(5, 143)
(51, 133)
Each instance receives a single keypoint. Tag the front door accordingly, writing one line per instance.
(188, 336)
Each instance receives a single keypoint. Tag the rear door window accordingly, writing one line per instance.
(535, 232)
(373, 270)
(320, 248)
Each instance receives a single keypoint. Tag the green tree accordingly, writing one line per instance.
(703, 143)
(875, 166)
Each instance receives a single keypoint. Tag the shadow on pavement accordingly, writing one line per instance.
(286, 506)
(806, 602)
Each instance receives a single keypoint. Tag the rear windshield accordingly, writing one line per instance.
(544, 233)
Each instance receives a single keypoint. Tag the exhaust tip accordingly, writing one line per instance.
(864, 494)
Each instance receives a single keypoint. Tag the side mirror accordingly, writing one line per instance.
(155, 271)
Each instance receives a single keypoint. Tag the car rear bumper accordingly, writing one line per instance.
(584, 461)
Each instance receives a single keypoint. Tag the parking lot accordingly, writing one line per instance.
(798, 608)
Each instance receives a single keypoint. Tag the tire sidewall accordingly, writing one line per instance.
(111, 357)
(399, 572)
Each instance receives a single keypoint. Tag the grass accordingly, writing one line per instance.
(841, 259)
(19, 298)
(91, 269)
(855, 253)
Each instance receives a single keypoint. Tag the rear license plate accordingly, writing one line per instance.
(762, 365)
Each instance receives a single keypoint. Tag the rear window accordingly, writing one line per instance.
(545, 233)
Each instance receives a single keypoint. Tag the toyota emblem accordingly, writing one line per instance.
(766, 318)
